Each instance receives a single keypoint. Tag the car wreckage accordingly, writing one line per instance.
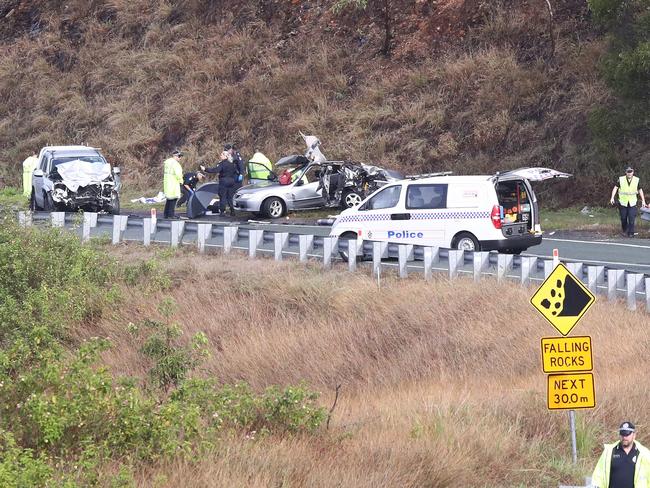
(71, 178)
(311, 181)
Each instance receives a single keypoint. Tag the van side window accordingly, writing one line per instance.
(386, 198)
(426, 196)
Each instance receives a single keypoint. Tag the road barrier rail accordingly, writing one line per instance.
(615, 283)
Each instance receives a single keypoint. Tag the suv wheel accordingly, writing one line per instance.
(48, 203)
(273, 207)
(114, 207)
(33, 206)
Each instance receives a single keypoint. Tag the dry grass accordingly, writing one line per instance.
(441, 383)
(141, 77)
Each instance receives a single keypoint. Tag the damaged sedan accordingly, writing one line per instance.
(71, 178)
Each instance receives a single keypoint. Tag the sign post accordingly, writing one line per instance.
(563, 300)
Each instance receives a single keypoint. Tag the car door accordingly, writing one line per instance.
(38, 178)
(424, 220)
(382, 215)
(305, 189)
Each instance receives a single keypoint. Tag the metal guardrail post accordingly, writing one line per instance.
(595, 276)
(25, 219)
(279, 242)
(58, 219)
(229, 237)
(549, 266)
(632, 283)
(481, 262)
(615, 280)
(431, 256)
(255, 239)
(203, 231)
(329, 247)
(576, 269)
(305, 244)
(352, 255)
(404, 255)
(90, 220)
(146, 232)
(176, 230)
(455, 258)
(504, 264)
(379, 251)
(527, 265)
(119, 224)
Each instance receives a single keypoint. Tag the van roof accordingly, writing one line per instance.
(449, 179)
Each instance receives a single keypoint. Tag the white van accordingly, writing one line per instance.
(473, 213)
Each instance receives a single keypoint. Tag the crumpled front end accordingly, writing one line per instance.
(92, 198)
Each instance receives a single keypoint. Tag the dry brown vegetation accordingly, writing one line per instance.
(471, 85)
(441, 382)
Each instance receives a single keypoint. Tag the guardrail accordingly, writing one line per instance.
(406, 258)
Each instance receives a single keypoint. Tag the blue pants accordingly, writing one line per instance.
(628, 215)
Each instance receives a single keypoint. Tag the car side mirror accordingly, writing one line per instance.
(300, 182)
(116, 171)
(38, 173)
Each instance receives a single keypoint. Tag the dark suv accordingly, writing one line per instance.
(70, 178)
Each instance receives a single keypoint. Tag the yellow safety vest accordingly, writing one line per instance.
(29, 165)
(627, 191)
(172, 179)
(262, 169)
(600, 476)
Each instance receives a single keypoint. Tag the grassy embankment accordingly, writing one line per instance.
(441, 383)
(139, 78)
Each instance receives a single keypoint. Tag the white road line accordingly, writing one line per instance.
(590, 261)
(597, 242)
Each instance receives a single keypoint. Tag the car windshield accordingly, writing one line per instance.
(88, 158)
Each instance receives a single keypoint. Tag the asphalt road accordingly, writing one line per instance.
(585, 247)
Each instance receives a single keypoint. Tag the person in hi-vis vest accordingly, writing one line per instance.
(628, 188)
(29, 165)
(172, 181)
(259, 167)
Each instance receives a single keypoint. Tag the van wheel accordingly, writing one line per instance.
(466, 242)
(273, 207)
(345, 237)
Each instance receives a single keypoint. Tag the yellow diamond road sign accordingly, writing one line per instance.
(562, 299)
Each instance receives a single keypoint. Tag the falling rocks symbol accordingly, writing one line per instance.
(568, 304)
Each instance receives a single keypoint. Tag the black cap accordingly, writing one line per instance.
(229, 146)
(629, 168)
(626, 428)
(177, 153)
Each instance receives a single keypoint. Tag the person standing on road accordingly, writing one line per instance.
(29, 165)
(172, 180)
(628, 188)
(239, 162)
(228, 172)
(624, 464)
(190, 180)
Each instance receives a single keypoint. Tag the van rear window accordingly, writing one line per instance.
(426, 196)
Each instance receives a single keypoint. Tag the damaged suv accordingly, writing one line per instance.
(71, 178)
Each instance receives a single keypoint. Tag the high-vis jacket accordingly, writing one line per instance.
(627, 191)
(259, 167)
(600, 476)
(173, 178)
(29, 165)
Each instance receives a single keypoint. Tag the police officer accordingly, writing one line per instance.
(259, 167)
(29, 165)
(228, 173)
(172, 179)
(239, 162)
(624, 464)
(190, 180)
(628, 188)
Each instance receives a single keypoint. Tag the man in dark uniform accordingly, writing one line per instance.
(625, 464)
(238, 160)
(228, 173)
(190, 180)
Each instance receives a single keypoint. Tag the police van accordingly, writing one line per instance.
(472, 213)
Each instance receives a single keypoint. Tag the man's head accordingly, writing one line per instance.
(230, 147)
(200, 176)
(629, 171)
(627, 432)
(178, 154)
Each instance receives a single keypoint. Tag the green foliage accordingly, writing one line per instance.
(19, 467)
(606, 12)
(340, 5)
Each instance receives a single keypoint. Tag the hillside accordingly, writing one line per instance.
(125, 366)
(421, 85)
